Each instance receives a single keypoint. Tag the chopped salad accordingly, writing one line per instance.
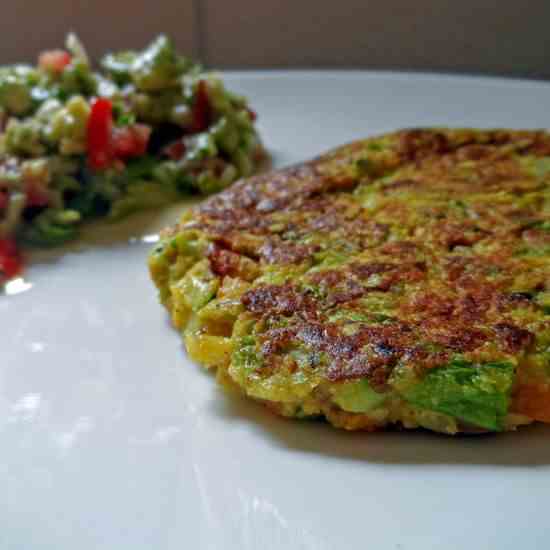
(76, 143)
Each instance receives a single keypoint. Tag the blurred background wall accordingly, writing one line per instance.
(504, 37)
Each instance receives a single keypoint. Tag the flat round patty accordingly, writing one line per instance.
(403, 279)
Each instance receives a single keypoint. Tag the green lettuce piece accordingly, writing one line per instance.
(158, 66)
(52, 228)
(476, 394)
(119, 65)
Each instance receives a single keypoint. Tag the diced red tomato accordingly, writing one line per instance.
(201, 108)
(130, 141)
(36, 195)
(10, 259)
(175, 150)
(106, 144)
(54, 60)
(99, 131)
(252, 114)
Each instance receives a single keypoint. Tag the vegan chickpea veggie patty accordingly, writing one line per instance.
(403, 279)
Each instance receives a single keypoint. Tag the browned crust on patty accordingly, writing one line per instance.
(405, 249)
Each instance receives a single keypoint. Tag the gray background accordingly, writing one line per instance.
(486, 36)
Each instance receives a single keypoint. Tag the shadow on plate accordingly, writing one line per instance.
(529, 446)
(142, 227)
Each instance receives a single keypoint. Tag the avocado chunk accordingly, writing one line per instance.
(15, 96)
(474, 393)
(198, 286)
(358, 397)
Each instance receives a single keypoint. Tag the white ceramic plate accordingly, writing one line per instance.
(111, 439)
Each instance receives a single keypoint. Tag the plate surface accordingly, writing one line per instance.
(111, 438)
